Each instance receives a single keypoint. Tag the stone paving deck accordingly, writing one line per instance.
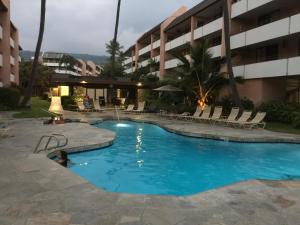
(36, 191)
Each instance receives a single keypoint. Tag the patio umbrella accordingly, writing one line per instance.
(168, 88)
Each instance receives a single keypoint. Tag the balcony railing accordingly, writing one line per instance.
(144, 63)
(130, 70)
(274, 68)
(12, 78)
(145, 50)
(156, 73)
(277, 29)
(12, 60)
(52, 64)
(182, 40)
(215, 51)
(209, 28)
(127, 61)
(244, 6)
(12, 43)
(1, 32)
(156, 44)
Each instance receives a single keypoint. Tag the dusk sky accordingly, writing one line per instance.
(85, 26)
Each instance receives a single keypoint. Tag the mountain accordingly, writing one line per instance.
(99, 60)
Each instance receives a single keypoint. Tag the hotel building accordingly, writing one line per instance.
(9, 47)
(81, 68)
(265, 44)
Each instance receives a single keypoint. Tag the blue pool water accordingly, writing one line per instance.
(146, 159)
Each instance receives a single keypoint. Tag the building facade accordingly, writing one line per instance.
(80, 68)
(265, 44)
(9, 47)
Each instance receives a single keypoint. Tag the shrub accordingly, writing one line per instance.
(227, 103)
(9, 98)
(282, 112)
(67, 102)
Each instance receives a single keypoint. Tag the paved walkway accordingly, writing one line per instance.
(36, 191)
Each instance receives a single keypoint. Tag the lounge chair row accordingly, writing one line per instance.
(82, 108)
(232, 120)
(140, 109)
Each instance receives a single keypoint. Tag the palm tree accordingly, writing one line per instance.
(28, 92)
(199, 78)
(232, 83)
(115, 40)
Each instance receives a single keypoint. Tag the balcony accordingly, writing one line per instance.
(209, 28)
(275, 68)
(244, 6)
(156, 73)
(1, 60)
(12, 78)
(182, 40)
(12, 43)
(215, 51)
(52, 64)
(145, 50)
(156, 44)
(156, 58)
(1, 32)
(130, 70)
(12, 61)
(127, 61)
(277, 29)
(144, 63)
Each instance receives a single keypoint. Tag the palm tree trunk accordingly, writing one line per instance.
(110, 92)
(232, 83)
(115, 36)
(28, 92)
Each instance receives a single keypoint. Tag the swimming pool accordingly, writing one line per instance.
(146, 159)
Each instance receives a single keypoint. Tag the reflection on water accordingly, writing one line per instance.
(138, 147)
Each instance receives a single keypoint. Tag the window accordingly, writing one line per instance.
(267, 53)
(268, 18)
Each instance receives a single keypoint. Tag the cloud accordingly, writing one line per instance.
(85, 26)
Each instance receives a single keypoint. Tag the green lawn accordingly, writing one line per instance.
(35, 111)
(281, 127)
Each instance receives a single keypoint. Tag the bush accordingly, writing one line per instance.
(282, 112)
(9, 98)
(227, 103)
(67, 102)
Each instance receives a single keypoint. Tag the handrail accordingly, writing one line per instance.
(49, 138)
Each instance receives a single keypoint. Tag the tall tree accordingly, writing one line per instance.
(115, 40)
(232, 83)
(28, 92)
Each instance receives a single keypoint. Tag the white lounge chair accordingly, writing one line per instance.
(232, 116)
(257, 121)
(194, 116)
(242, 120)
(141, 107)
(217, 114)
(205, 114)
(129, 108)
(97, 107)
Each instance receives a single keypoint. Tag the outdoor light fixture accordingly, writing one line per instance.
(139, 84)
(83, 82)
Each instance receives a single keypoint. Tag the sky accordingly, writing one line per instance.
(84, 26)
